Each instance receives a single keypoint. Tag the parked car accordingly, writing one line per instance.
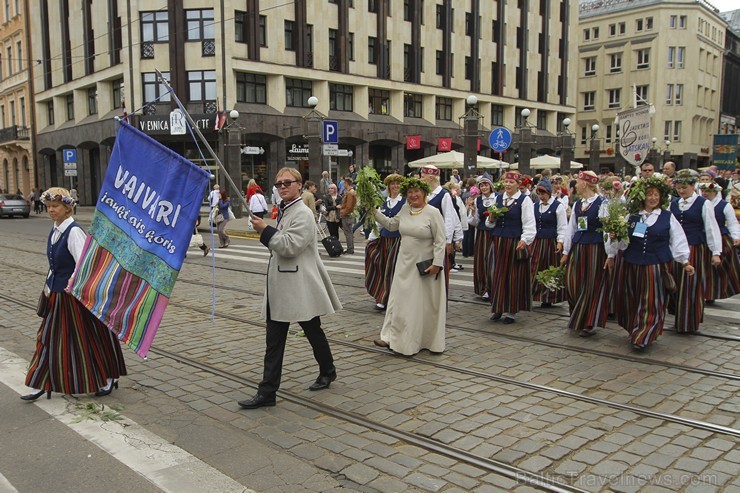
(14, 205)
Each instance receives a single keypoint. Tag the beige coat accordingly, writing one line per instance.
(298, 286)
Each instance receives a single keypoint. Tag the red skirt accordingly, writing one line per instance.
(380, 264)
(687, 303)
(586, 286)
(482, 262)
(544, 256)
(511, 282)
(724, 281)
(641, 301)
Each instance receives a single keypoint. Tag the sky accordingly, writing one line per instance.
(725, 5)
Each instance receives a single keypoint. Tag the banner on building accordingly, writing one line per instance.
(141, 229)
(634, 134)
(413, 142)
(724, 151)
(444, 145)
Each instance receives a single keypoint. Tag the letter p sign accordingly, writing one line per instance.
(331, 132)
(69, 155)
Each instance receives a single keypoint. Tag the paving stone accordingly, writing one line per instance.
(360, 473)
(535, 463)
(388, 467)
(428, 484)
(332, 462)
(589, 457)
(556, 453)
(690, 464)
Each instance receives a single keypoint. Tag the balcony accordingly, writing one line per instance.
(10, 134)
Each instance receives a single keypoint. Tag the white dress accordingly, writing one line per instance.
(417, 307)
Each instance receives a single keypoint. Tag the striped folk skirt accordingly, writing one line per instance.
(511, 282)
(544, 256)
(380, 264)
(586, 286)
(687, 303)
(482, 262)
(724, 281)
(611, 283)
(75, 353)
(641, 301)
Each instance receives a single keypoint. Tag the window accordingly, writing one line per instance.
(679, 95)
(440, 62)
(12, 113)
(497, 114)
(50, 112)
(412, 105)
(406, 10)
(251, 88)
(669, 94)
(589, 100)
(372, 5)
(671, 56)
(586, 34)
(10, 60)
(612, 29)
(639, 25)
(289, 37)
(201, 85)
(297, 92)
(667, 130)
(152, 89)
(615, 63)
(681, 55)
(673, 22)
(583, 135)
(643, 58)
(608, 134)
(1, 67)
(333, 35)
(263, 30)
(615, 96)
(542, 119)
(351, 46)
(590, 63)
(20, 56)
(648, 23)
(622, 26)
(154, 27)
(468, 68)
(595, 32)
(341, 97)
(92, 101)
(677, 131)
(23, 111)
(642, 95)
(117, 92)
(440, 16)
(682, 22)
(2, 116)
(70, 100)
(372, 52)
(379, 101)
(443, 109)
(200, 24)
(240, 26)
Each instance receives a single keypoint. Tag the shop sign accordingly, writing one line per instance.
(297, 152)
(172, 124)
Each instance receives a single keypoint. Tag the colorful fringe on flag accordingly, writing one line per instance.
(140, 231)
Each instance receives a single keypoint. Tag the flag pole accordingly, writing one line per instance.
(195, 128)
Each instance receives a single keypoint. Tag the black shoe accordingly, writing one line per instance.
(508, 320)
(709, 302)
(639, 347)
(101, 392)
(587, 332)
(33, 397)
(258, 400)
(495, 316)
(381, 343)
(323, 381)
(546, 305)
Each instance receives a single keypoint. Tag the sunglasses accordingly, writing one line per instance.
(284, 184)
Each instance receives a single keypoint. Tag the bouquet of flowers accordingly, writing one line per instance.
(494, 212)
(368, 188)
(498, 186)
(612, 188)
(552, 277)
(616, 221)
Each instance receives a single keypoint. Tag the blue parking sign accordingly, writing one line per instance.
(69, 155)
(331, 132)
(500, 139)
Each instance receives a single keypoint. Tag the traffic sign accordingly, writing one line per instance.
(252, 150)
(500, 139)
(70, 172)
(330, 149)
(68, 166)
(69, 155)
(331, 132)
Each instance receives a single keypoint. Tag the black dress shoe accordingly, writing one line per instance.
(587, 332)
(323, 381)
(258, 400)
(103, 392)
(546, 305)
(495, 316)
(508, 320)
(33, 397)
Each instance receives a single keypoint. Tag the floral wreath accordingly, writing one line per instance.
(498, 186)
(47, 197)
(414, 183)
(638, 189)
(712, 187)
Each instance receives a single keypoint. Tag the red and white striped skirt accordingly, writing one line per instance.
(544, 256)
(586, 286)
(380, 264)
(511, 282)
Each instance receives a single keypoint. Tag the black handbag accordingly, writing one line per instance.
(42, 308)
(423, 266)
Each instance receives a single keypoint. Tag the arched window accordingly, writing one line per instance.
(16, 175)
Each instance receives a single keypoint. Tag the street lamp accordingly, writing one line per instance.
(567, 146)
(525, 143)
(313, 136)
(593, 158)
(233, 159)
(667, 152)
(470, 137)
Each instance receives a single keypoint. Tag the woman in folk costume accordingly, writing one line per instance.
(611, 189)
(585, 257)
(656, 240)
(551, 220)
(513, 232)
(696, 215)
(483, 235)
(75, 353)
(723, 280)
(381, 252)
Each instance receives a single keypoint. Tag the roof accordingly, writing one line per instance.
(594, 8)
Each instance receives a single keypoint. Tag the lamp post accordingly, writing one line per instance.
(470, 137)
(594, 149)
(313, 135)
(525, 143)
(653, 157)
(667, 152)
(567, 147)
(233, 161)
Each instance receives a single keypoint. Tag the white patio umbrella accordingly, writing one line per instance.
(547, 161)
(453, 159)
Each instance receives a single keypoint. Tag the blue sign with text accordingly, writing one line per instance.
(69, 155)
(500, 139)
(331, 132)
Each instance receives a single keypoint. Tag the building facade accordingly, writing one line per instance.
(384, 70)
(730, 99)
(16, 144)
(668, 54)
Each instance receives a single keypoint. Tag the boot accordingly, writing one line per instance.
(205, 249)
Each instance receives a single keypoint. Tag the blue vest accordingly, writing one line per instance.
(592, 213)
(654, 247)
(719, 213)
(61, 262)
(692, 221)
(480, 210)
(510, 224)
(390, 212)
(547, 222)
(437, 201)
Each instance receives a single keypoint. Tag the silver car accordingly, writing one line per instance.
(14, 205)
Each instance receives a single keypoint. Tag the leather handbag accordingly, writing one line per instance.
(423, 266)
(42, 307)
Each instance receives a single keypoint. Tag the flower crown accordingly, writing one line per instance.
(47, 197)
(638, 190)
(712, 187)
(414, 183)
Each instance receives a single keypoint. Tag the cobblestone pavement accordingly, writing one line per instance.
(295, 448)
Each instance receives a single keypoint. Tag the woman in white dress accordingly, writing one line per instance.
(417, 306)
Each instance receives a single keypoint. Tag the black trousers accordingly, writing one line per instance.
(277, 335)
(333, 228)
(468, 243)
